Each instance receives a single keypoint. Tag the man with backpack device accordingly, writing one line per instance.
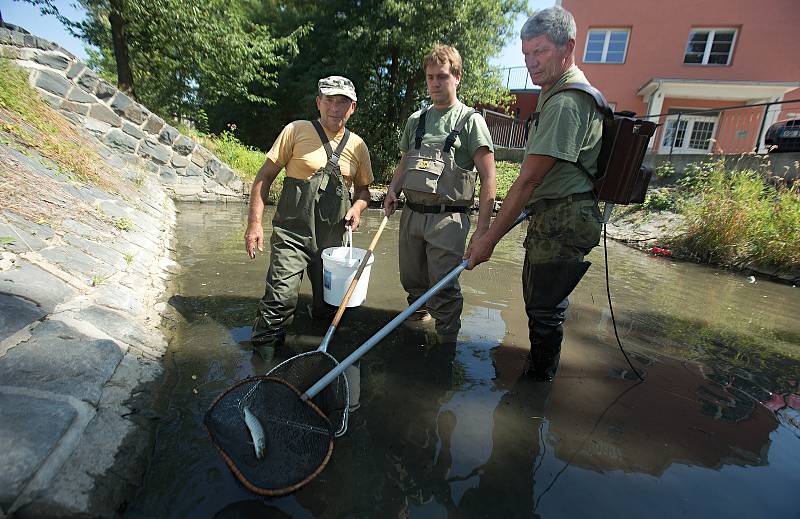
(570, 149)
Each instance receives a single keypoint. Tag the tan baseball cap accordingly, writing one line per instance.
(337, 86)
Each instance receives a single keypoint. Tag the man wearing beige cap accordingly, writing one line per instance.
(323, 160)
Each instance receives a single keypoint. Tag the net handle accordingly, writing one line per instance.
(338, 317)
(394, 323)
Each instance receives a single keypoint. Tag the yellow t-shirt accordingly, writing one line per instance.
(299, 149)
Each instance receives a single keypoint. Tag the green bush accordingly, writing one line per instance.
(737, 217)
(246, 160)
(507, 173)
(659, 199)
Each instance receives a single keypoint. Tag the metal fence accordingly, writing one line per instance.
(728, 129)
(506, 130)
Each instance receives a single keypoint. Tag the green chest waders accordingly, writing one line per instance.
(308, 219)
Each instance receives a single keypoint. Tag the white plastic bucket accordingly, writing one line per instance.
(338, 271)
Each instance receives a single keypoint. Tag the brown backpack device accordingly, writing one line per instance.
(621, 178)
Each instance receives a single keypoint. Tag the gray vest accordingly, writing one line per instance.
(432, 176)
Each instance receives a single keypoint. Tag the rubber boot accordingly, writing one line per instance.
(545, 352)
(549, 285)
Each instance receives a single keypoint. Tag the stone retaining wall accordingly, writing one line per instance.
(83, 269)
(187, 170)
(80, 289)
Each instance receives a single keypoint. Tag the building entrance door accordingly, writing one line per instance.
(688, 134)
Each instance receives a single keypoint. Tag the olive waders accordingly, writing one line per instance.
(309, 218)
(433, 233)
(561, 232)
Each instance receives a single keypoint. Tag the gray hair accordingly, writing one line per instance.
(555, 22)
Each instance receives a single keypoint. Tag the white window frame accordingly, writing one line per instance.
(608, 32)
(710, 43)
(690, 122)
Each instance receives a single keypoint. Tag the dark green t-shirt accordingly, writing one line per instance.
(439, 123)
(570, 128)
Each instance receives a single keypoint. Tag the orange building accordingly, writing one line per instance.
(678, 57)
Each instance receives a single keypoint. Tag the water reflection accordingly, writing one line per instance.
(461, 433)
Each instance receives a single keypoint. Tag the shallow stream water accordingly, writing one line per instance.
(714, 431)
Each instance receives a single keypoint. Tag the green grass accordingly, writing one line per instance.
(34, 124)
(245, 160)
(739, 217)
(507, 173)
(123, 224)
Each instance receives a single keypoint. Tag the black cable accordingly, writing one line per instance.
(611, 308)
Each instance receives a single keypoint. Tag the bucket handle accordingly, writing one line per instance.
(349, 244)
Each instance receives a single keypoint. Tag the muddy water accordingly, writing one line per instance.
(713, 432)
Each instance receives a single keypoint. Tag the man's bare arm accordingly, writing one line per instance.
(259, 194)
(484, 163)
(532, 173)
(360, 202)
(390, 202)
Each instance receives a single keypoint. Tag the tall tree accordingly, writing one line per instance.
(179, 55)
(119, 40)
(380, 44)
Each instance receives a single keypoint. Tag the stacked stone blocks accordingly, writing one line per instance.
(186, 169)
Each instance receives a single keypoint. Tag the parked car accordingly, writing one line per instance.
(784, 135)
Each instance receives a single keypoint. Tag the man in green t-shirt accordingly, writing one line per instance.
(565, 222)
(441, 148)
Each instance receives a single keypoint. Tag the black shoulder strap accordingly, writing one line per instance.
(420, 130)
(333, 156)
(451, 137)
(599, 99)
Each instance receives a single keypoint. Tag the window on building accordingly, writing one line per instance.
(710, 46)
(689, 133)
(606, 46)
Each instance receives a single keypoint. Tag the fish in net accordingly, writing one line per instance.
(299, 435)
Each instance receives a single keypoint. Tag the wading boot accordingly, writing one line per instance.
(545, 353)
(547, 287)
(266, 347)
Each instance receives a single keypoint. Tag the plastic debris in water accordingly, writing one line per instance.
(751, 279)
(658, 251)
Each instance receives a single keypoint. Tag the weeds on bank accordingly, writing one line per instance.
(244, 159)
(739, 217)
(507, 173)
(123, 224)
(33, 124)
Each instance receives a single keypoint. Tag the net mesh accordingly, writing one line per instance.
(304, 370)
(299, 437)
